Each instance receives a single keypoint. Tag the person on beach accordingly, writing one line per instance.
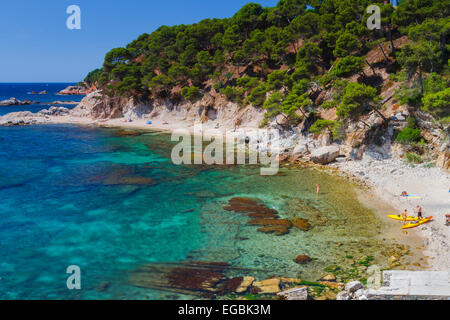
(419, 212)
(405, 217)
(404, 194)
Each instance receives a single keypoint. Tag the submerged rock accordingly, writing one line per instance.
(270, 222)
(329, 278)
(302, 224)
(302, 259)
(262, 215)
(277, 230)
(135, 180)
(194, 278)
(333, 285)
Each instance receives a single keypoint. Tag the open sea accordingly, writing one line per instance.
(22, 91)
(111, 201)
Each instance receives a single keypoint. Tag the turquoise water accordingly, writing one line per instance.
(110, 202)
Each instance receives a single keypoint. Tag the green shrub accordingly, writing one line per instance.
(233, 94)
(191, 93)
(247, 82)
(410, 134)
(349, 65)
(278, 79)
(273, 105)
(258, 95)
(410, 96)
(412, 157)
(334, 126)
(438, 104)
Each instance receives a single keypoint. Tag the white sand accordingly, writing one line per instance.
(157, 125)
(390, 177)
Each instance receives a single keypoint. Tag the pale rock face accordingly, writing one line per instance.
(399, 117)
(281, 120)
(88, 106)
(443, 160)
(325, 155)
(325, 139)
(54, 111)
(295, 294)
(300, 149)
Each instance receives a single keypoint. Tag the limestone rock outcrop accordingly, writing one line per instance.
(325, 155)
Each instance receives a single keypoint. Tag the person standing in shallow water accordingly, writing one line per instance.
(405, 217)
(419, 212)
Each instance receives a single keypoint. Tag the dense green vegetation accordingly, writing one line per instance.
(410, 134)
(281, 58)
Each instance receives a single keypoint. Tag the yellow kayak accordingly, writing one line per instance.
(417, 224)
(400, 217)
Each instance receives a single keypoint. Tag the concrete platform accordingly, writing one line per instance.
(410, 285)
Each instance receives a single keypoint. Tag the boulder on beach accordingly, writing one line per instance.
(325, 155)
(300, 149)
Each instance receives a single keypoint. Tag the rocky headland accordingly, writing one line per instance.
(78, 90)
(16, 102)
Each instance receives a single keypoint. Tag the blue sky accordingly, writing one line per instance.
(37, 46)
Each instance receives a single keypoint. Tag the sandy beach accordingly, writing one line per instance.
(389, 178)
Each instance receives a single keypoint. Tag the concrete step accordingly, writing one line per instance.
(413, 285)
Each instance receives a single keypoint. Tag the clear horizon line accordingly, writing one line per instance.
(40, 82)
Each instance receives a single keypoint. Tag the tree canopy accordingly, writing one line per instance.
(281, 57)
